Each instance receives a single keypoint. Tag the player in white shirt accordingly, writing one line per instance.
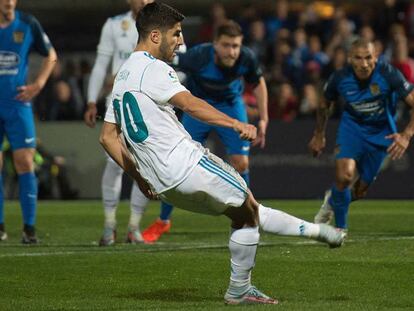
(142, 134)
(118, 39)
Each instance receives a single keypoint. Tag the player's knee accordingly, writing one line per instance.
(23, 165)
(23, 160)
(252, 211)
(345, 178)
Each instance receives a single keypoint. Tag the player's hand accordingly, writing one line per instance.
(90, 115)
(317, 144)
(261, 134)
(28, 92)
(246, 131)
(399, 145)
(146, 189)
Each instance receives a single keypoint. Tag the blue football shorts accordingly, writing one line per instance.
(16, 122)
(367, 148)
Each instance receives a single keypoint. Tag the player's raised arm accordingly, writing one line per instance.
(401, 140)
(203, 111)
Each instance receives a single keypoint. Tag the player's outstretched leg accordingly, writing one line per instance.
(281, 223)
(111, 190)
(325, 213)
(138, 203)
(160, 226)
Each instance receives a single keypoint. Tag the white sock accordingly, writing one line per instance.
(243, 246)
(111, 190)
(138, 203)
(278, 222)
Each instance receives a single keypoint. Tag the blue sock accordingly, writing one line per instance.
(246, 177)
(340, 201)
(28, 197)
(166, 210)
(1, 200)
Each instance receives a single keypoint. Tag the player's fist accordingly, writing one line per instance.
(317, 144)
(245, 130)
(90, 115)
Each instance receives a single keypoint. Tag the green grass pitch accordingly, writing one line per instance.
(189, 268)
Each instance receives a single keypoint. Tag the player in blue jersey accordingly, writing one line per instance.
(367, 132)
(216, 72)
(21, 33)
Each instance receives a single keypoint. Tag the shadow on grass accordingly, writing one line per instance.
(172, 295)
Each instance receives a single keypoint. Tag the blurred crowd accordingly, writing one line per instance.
(299, 44)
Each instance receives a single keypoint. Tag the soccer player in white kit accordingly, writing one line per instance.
(118, 39)
(160, 155)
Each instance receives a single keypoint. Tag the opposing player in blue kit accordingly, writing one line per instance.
(215, 72)
(21, 33)
(367, 132)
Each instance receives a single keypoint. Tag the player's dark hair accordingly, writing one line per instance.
(229, 28)
(156, 15)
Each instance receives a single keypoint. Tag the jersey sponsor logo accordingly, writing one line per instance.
(406, 85)
(368, 107)
(8, 63)
(375, 89)
(18, 36)
(8, 59)
(246, 148)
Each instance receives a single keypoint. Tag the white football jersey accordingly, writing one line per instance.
(118, 39)
(164, 152)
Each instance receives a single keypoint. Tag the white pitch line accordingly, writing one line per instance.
(179, 247)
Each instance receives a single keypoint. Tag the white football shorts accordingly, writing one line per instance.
(210, 188)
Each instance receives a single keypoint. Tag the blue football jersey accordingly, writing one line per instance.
(213, 83)
(17, 40)
(372, 102)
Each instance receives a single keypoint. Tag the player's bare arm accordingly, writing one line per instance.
(29, 91)
(260, 93)
(318, 141)
(111, 141)
(401, 140)
(203, 111)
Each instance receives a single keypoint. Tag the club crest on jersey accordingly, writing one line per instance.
(18, 36)
(125, 25)
(374, 88)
